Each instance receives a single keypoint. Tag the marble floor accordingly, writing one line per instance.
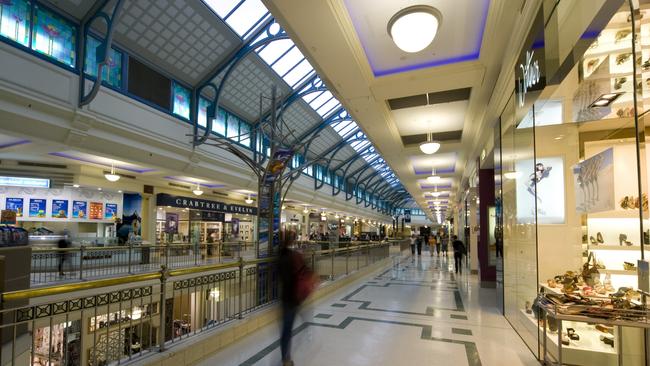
(417, 312)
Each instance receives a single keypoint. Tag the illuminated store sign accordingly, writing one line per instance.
(163, 199)
(24, 182)
(530, 76)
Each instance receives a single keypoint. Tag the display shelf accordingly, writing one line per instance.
(618, 272)
(602, 247)
(614, 214)
(588, 351)
(559, 292)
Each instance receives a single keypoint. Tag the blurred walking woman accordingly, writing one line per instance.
(297, 282)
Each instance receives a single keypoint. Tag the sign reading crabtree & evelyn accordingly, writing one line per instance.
(164, 199)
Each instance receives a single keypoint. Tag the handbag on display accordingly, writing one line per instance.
(590, 270)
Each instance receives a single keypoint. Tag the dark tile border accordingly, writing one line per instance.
(471, 351)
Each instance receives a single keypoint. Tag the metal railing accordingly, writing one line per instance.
(53, 265)
(117, 320)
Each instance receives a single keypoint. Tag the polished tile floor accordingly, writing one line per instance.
(417, 312)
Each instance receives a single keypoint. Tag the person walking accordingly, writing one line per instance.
(418, 243)
(459, 252)
(444, 240)
(63, 244)
(434, 245)
(413, 244)
(297, 283)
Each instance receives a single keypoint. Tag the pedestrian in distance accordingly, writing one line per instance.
(413, 240)
(459, 252)
(63, 244)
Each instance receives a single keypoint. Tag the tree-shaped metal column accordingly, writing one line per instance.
(274, 180)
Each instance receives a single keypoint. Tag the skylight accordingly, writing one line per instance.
(241, 15)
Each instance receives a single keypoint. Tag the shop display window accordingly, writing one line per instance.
(54, 36)
(58, 345)
(122, 317)
(181, 103)
(573, 184)
(15, 20)
(112, 71)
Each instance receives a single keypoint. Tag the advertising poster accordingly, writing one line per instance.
(407, 216)
(60, 209)
(7, 217)
(96, 211)
(111, 211)
(546, 175)
(37, 207)
(79, 210)
(131, 218)
(171, 223)
(15, 205)
(594, 183)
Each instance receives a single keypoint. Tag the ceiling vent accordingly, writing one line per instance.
(42, 165)
(446, 96)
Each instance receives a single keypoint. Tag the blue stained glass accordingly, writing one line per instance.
(54, 36)
(14, 20)
(233, 127)
(112, 72)
(203, 111)
(181, 97)
(244, 134)
(219, 125)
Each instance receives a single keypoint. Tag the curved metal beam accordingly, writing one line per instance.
(103, 51)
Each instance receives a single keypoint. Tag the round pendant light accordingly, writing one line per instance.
(430, 147)
(248, 200)
(197, 191)
(433, 178)
(112, 177)
(414, 28)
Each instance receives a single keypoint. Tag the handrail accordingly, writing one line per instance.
(94, 284)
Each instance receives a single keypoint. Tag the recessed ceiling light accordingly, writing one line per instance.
(605, 100)
(75, 185)
(99, 189)
(414, 28)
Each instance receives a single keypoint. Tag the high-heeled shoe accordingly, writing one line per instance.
(622, 238)
(607, 340)
(599, 237)
(622, 34)
(593, 240)
(618, 82)
(608, 283)
(629, 266)
(646, 237)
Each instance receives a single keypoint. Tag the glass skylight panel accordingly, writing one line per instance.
(222, 7)
(347, 130)
(326, 108)
(321, 99)
(298, 73)
(311, 96)
(274, 50)
(287, 61)
(246, 16)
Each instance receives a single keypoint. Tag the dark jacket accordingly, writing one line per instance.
(288, 276)
(459, 247)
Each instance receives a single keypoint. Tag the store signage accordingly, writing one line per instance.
(163, 199)
(8, 217)
(24, 182)
(529, 77)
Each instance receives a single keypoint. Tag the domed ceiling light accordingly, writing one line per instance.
(430, 147)
(112, 177)
(248, 200)
(433, 178)
(197, 191)
(414, 28)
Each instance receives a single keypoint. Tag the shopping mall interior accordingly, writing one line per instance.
(324, 182)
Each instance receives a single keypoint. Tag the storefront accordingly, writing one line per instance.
(572, 183)
(87, 216)
(182, 220)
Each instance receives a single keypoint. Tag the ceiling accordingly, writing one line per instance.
(192, 41)
(459, 36)
(396, 98)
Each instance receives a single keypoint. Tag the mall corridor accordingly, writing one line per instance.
(417, 312)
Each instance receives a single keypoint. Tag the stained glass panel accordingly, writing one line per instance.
(233, 127)
(112, 72)
(219, 125)
(244, 134)
(181, 104)
(203, 111)
(53, 36)
(14, 20)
